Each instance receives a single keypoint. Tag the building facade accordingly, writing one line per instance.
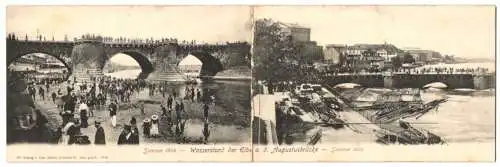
(425, 56)
(309, 51)
(332, 53)
(297, 32)
(361, 56)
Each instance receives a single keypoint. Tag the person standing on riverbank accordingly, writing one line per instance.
(112, 113)
(54, 96)
(83, 108)
(163, 110)
(206, 133)
(192, 94)
(205, 111)
(100, 136)
(146, 127)
(125, 135)
(134, 138)
(154, 131)
(41, 92)
(198, 95)
(169, 102)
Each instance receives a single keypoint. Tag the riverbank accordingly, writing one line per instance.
(228, 119)
(238, 73)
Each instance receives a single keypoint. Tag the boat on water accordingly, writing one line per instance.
(315, 106)
(392, 105)
(409, 135)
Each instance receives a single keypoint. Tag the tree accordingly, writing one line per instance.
(396, 62)
(274, 53)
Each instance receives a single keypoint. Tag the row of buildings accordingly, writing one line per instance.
(360, 56)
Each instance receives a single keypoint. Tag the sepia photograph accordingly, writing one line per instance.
(128, 75)
(250, 83)
(384, 75)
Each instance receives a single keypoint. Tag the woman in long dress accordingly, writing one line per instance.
(154, 131)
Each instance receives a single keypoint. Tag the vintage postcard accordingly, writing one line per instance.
(374, 83)
(128, 83)
(250, 83)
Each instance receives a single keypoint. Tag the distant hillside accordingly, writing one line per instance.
(113, 67)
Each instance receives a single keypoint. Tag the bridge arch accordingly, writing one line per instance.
(347, 85)
(65, 62)
(141, 59)
(210, 64)
(439, 85)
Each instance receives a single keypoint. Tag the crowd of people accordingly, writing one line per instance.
(109, 39)
(79, 102)
(426, 70)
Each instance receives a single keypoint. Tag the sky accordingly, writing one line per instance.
(464, 31)
(124, 59)
(201, 23)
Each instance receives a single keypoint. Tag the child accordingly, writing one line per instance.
(154, 131)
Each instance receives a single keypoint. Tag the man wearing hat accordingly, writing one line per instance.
(71, 130)
(146, 127)
(66, 117)
(100, 136)
(134, 137)
(163, 110)
(124, 136)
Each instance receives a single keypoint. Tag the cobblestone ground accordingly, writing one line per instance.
(219, 133)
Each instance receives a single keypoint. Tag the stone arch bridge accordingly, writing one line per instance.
(86, 58)
(404, 80)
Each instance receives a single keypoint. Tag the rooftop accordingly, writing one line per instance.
(293, 25)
